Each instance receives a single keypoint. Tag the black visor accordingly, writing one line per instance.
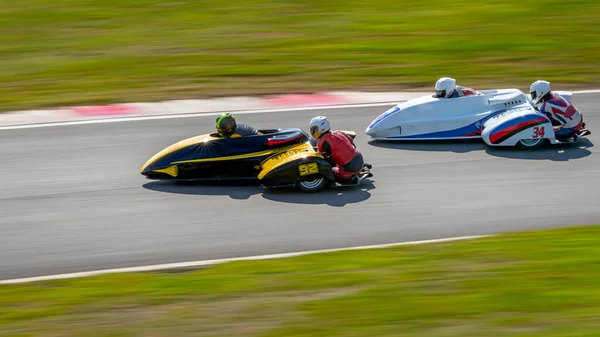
(440, 93)
(533, 95)
(314, 131)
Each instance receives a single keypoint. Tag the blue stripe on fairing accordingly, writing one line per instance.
(384, 115)
(460, 132)
(502, 127)
(515, 121)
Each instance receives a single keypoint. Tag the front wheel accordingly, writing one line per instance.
(312, 186)
(531, 144)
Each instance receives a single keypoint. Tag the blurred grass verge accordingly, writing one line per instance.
(540, 283)
(87, 51)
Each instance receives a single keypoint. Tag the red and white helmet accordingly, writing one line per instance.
(318, 126)
(538, 90)
(444, 87)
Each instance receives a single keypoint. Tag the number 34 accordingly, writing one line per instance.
(539, 132)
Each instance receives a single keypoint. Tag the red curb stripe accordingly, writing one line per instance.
(108, 110)
(300, 99)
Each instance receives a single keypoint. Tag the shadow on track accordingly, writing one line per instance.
(456, 146)
(238, 191)
(338, 197)
(553, 153)
(549, 152)
(242, 191)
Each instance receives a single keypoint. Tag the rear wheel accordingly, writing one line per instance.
(531, 144)
(311, 186)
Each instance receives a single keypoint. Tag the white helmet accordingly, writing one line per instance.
(444, 87)
(538, 90)
(318, 126)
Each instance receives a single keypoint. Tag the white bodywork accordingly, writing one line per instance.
(520, 124)
(504, 114)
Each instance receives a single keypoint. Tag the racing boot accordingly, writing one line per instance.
(584, 132)
(369, 166)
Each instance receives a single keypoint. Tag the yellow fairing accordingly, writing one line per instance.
(306, 150)
(177, 146)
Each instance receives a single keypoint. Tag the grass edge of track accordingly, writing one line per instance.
(539, 282)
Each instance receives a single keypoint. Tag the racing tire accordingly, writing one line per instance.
(312, 186)
(531, 144)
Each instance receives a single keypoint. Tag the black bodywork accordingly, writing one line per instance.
(264, 146)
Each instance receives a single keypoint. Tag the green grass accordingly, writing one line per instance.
(543, 283)
(105, 51)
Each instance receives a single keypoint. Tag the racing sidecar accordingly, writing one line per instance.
(501, 117)
(277, 157)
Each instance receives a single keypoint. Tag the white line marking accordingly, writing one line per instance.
(216, 113)
(191, 115)
(591, 91)
(192, 264)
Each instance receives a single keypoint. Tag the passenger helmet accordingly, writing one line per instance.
(318, 126)
(444, 87)
(226, 124)
(538, 90)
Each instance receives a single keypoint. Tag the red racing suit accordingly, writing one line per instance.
(340, 149)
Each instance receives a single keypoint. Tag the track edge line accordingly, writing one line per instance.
(201, 263)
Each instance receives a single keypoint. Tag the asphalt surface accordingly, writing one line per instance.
(72, 198)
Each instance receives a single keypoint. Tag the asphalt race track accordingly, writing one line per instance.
(72, 198)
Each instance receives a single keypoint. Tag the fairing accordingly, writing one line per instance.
(211, 157)
(287, 168)
(508, 128)
(428, 117)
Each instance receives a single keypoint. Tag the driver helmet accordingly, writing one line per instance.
(444, 87)
(226, 124)
(539, 90)
(319, 126)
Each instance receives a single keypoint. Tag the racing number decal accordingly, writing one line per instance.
(310, 168)
(539, 132)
